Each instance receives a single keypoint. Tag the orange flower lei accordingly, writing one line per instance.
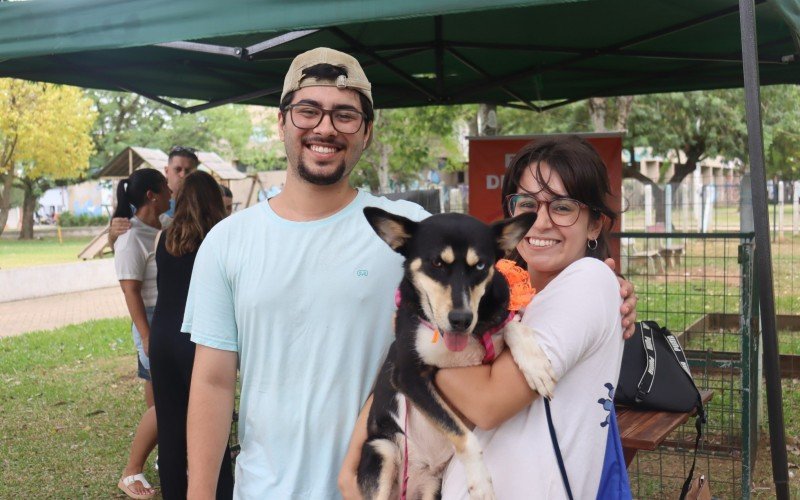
(519, 284)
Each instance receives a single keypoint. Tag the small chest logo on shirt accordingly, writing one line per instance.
(362, 273)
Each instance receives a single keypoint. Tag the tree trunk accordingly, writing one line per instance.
(383, 168)
(597, 113)
(487, 119)
(624, 104)
(5, 200)
(28, 208)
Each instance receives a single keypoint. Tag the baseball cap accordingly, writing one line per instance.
(355, 79)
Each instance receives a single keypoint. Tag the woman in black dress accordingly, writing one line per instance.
(198, 208)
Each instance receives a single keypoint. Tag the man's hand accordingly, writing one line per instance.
(348, 484)
(119, 226)
(628, 308)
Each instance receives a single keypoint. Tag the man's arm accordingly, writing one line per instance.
(118, 227)
(209, 419)
(348, 476)
(629, 300)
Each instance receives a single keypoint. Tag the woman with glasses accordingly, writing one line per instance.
(576, 317)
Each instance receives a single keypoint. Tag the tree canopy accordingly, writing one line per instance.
(44, 137)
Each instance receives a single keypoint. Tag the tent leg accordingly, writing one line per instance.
(780, 470)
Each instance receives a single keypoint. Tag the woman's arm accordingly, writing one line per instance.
(487, 395)
(132, 289)
(348, 475)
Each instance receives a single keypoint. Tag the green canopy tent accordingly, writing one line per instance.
(419, 52)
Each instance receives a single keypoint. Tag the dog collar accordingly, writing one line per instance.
(486, 338)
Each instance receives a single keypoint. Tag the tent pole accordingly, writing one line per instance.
(763, 265)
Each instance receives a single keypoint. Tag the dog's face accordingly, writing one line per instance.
(450, 261)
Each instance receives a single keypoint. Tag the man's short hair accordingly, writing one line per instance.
(226, 191)
(184, 152)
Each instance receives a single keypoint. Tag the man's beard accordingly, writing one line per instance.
(321, 179)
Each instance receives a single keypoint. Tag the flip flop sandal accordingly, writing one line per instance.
(126, 482)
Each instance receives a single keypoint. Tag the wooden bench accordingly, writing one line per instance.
(649, 259)
(647, 429)
(671, 254)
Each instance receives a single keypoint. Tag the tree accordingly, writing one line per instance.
(131, 120)
(781, 119)
(405, 141)
(686, 127)
(123, 120)
(44, 137)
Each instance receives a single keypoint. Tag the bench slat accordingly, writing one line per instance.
(646, 429)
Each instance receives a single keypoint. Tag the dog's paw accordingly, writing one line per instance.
(481, 489)
(530, 358)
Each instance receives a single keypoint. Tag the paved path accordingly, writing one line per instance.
(46, 313)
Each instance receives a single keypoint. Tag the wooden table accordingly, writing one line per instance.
(647, 429)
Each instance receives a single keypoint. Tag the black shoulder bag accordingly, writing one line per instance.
(655, 375)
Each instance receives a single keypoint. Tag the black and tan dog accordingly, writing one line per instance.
(450, 287)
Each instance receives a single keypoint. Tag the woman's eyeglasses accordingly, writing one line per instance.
(308, 116)
(563, 212)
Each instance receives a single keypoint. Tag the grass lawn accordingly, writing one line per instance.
(68, 408)
(16, 253)
(71, 401)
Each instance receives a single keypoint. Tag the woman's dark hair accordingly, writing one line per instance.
(582, 171)
(133, 190)
(198, 208)
(330, 72)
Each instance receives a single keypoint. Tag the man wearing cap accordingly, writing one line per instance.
(299, 290)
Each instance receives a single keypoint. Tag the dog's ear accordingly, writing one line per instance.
(394, 229)
(508, 232)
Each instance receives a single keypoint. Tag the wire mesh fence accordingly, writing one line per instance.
(690, 254)
(699, 285)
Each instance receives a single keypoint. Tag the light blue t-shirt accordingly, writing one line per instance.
(308, 306)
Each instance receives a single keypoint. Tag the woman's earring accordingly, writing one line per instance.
(592, 244)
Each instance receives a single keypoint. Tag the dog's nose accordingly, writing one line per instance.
(460, 319)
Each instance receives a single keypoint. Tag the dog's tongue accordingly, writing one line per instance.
(455, 341)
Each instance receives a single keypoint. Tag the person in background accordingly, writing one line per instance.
(182, 161)
(141, 198)
(198, 208)
(227, 199)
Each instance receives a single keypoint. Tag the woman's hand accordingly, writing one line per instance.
(629, 300)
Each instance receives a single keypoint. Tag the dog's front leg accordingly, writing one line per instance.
(530, 358)
(423, 395)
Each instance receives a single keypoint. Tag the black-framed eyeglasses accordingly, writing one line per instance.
(308, 116)
(563, 211)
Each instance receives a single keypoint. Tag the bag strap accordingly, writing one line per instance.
(677, 351)
(556, 449)
(698, 424)
(649, 375)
